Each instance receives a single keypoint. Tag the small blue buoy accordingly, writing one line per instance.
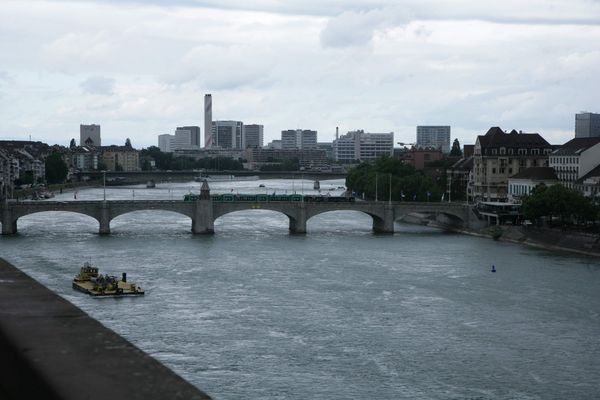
(493, 268)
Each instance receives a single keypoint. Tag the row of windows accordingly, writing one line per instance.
(564, 160)
(521, 152)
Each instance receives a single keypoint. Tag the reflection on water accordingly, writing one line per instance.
(253, 312)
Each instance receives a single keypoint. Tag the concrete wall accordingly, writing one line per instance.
(50, 349)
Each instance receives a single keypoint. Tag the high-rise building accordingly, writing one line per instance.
(252, 136)
(227, 134)
(164, 143)
(298, 139)
(208, 136)
(361, 146)
(587, 125)
(437, 137)
(185, 138)
(89, 135)
(194, 135)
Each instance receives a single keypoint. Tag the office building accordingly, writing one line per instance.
(208, 136)
(89, 135)
(252, 136)
(185, 138)
(587, 125)
(194, 135)
(437, 137)
(358, 146)
(298, 139)
(227, 134)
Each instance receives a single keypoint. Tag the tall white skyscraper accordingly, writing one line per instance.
(209, 139)
(437, 137)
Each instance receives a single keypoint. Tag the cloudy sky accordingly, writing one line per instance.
(141, 68)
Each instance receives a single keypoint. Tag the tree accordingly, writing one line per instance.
(373, 179)
(72, 145)
(128, 143)
(456, 151)
(56, 168)
(568, 205)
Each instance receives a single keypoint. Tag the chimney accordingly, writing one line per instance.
(337, 132)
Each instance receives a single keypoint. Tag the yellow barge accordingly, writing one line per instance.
(97, 285)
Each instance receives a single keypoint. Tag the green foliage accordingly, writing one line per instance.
(456, 151)
(56, 168)
(406, 182)
(568, 205)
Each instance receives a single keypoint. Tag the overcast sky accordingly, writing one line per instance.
(141, 68)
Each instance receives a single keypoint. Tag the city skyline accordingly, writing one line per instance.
(140, 70)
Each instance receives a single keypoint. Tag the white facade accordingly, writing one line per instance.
(164, 143)
(183, 139)
(361, 146)
(572, 163)
(437, 137)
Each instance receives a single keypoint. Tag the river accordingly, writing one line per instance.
(253, 312)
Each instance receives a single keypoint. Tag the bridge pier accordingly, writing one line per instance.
(203, 220)
(9, 226)
(385, 224)
(104, 219)
(298, 224)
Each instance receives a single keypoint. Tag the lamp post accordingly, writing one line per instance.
(390, 196)
(104, 184)
(376, 179)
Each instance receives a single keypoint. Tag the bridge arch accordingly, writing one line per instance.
(373, 217)
(69, 219)
(150, 216)
(270, 220)
(295, 214)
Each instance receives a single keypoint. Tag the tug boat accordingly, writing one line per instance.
(97, 285)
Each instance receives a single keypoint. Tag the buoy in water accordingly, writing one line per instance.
(493, 268)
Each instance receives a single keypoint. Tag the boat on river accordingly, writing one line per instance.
(89, 281)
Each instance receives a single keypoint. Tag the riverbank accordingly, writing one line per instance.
(51, 349)
(545, 238)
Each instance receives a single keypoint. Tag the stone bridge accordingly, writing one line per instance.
(203, 213)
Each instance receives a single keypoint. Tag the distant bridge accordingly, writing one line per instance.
(203, 213)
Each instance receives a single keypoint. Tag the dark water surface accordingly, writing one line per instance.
(255, 313)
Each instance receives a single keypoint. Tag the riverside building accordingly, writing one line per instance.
(499, 155)
(357, 146)
(574, 159)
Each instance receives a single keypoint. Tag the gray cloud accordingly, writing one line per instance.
(98, 85)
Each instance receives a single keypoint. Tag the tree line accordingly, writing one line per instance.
(558, 204)
(373, 179)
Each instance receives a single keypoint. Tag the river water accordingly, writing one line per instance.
(255, 313)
